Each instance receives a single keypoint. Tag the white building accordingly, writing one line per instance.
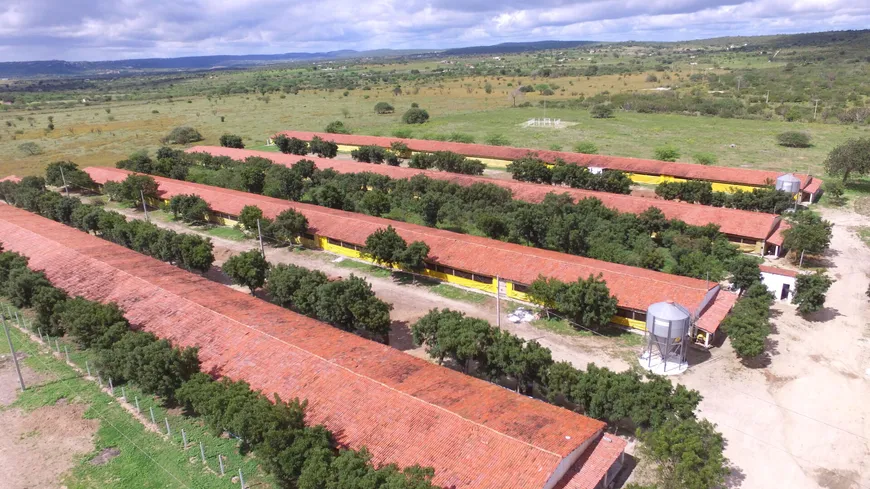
(779, 281)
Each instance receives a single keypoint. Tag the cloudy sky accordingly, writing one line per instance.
(117, 29)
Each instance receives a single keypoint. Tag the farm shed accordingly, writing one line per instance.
(779, 281)
(654, 172)
(465, 260)
(405, 410)
(751, 231)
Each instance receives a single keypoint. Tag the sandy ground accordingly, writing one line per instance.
(797, 421)
(38, 447)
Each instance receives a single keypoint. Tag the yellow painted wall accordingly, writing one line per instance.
(343, 148)
(730, 188)
(631, 323)
(453, 279)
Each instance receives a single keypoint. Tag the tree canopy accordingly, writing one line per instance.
(810, 292)
(232, 141)
(247, 268)
(851, 157)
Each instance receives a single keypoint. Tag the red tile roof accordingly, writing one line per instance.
(813, 187)
(690, 171)
(11, 178)
(594, 463)
(713, 316)
(404, 410)
(778, 271)
(754, 225)
(636, 288)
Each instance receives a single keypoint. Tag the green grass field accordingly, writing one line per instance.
(146, 459)
(85, 135)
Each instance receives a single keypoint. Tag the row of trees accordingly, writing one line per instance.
(586, 302)
(687, 451)
(286, 228)
(586, 228)
(535, 170)
(348, 304)
(375, 154)
(298, 456)
(699, 192)
(185, 250)
(447, 161)
(295, 146)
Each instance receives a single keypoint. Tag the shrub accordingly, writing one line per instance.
(586, 147)
(182, 135)
(834, 192)
(667, 153)
(384, 108)
(337, 127)
(794, 139)
(496, 140)
(232, 141)
(403, 133)
(323, 149)
(704, 158)
(601, 111)
(415, 115)
(369, 154)
(651, 78)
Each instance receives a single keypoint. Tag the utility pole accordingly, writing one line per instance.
(767, 98)
(260, 234)
(12, 352)
(63, 177)
(815, 108)
(144, 207)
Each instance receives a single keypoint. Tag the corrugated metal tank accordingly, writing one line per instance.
(788, 183)
(668, 320)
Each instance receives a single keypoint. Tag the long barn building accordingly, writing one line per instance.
(406, 411)
(723, 179)
(753, 232)
(470, 261)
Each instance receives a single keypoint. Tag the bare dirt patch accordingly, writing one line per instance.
(37, 447)
(105, 456)
(9, 388)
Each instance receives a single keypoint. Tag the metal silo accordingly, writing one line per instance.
(788, 183)
(667, 338)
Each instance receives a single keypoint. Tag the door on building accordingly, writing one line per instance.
(785, 289)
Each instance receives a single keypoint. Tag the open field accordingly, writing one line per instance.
(92, 136)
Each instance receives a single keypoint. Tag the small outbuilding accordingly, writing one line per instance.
(779, 281)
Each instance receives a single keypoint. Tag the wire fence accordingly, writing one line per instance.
(158, 418)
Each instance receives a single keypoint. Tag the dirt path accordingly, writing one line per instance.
(410, 302)
(802, 421)
(38, 447)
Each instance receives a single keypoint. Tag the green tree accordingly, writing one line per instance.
(249, 216)
(247, 268)
(415, 115)
(525, 362)
(809, 233)
(415, 256)
(351, 305)
(530, 169)
(853, 156)
(134, 187)
(93, 324)
(375, 203)
(744, 272)
(793, 139)
(687, 454)
(384, 108)
(293, 146)
(191, 209)
(22, 284)
(323, 149)
(288, 226)
(337, 127)
(601, 111)
(75, 178)
(182, 135)
(385, 246)
(232, 141)
(194, 253)
(810, 292)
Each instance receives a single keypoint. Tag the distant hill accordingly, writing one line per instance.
(32, 69)
(516, 47)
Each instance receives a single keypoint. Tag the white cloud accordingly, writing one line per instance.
(112, 29)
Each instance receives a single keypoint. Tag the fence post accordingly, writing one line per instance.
(12, 352)
(100, 380)
(241, 479)
(138, 411)
(40, 335)
(111, 387)
(123, 394)
(66, 351)
(168, 431)
(57, 345)
(183, 439)
(88, 367)
(202, 452)
(221, 463)
(153, 421)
